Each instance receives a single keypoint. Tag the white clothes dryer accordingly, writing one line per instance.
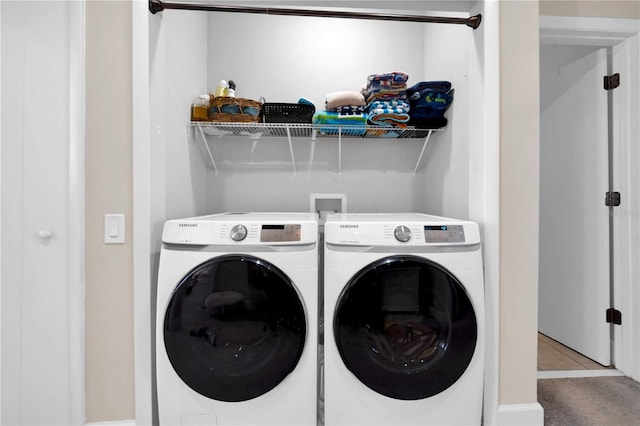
(237, 308)
(404, 320)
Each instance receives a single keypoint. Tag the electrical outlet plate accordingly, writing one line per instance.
(327, 203)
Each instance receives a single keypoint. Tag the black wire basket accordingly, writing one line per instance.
(287, 113)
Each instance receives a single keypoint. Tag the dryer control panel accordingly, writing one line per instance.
(399, 230)
(444, 234)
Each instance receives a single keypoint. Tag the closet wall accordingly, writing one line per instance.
(285, 58)
(282, 59)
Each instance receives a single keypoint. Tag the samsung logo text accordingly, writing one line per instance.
(349, 226)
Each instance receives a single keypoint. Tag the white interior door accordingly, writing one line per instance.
(574, 221)
(41, 273)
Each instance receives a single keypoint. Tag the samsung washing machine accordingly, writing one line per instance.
(236, 335)
(403, 320)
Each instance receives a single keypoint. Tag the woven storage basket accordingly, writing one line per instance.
(287, 113)
(227, 109)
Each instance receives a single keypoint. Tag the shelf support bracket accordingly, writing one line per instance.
(293, 160)
(424, 146)
(206, 145)
(313, 149)
(340, 150)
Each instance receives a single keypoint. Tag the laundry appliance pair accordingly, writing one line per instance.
(237, 331)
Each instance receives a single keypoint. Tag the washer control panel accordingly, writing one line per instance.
(246, 229)
(280, 233)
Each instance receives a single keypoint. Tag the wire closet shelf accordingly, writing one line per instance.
(312, 132)
(315, 131)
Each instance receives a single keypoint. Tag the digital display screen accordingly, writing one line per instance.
(444, 234)
(280, 233)
(435, 228)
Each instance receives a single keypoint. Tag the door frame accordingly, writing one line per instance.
(608, 32)
(76, 217)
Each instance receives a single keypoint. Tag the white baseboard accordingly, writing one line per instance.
(572, 374)
(520, 415)
(114, 423)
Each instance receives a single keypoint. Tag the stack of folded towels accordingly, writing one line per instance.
(386, 99)
(429, 101)
(344, 108)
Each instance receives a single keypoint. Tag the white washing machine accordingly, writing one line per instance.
(403, 320)
(237, 308)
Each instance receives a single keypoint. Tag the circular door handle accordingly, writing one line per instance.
(45, 237)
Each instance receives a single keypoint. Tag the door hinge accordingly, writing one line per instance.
(614, 316)
(611, 81)
(612, 199)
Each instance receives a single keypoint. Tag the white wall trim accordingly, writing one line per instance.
(608, 32)
(76, 217)
(1, 214)
(572, 374)
(520, 415)
(586, 31)
(491, 211)
(626, 61)
(114, 423)
(144, 359)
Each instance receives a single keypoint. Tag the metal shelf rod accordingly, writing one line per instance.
(340, 151)
(293, 160)
(424, 146)
(206, 145)
(156, 6)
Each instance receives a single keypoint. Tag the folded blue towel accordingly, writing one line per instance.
(388, 107)
(331, 121)
(430, 98)
(388, 78)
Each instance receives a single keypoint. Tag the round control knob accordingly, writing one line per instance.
(238, 232)
(402, 233)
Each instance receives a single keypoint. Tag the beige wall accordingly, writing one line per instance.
(600, 9)
(519, 188)
(519, 182)
(109, 169)
(109, 283)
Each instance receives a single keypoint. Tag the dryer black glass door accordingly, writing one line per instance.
(234, 328)
(405, 327)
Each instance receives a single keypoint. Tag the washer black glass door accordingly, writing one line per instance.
(405, 327)
(234, 328)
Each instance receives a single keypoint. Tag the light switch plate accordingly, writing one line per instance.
(114, 229)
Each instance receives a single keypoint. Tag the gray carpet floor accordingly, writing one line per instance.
(597, 401)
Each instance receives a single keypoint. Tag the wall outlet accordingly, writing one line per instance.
(323, 204)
